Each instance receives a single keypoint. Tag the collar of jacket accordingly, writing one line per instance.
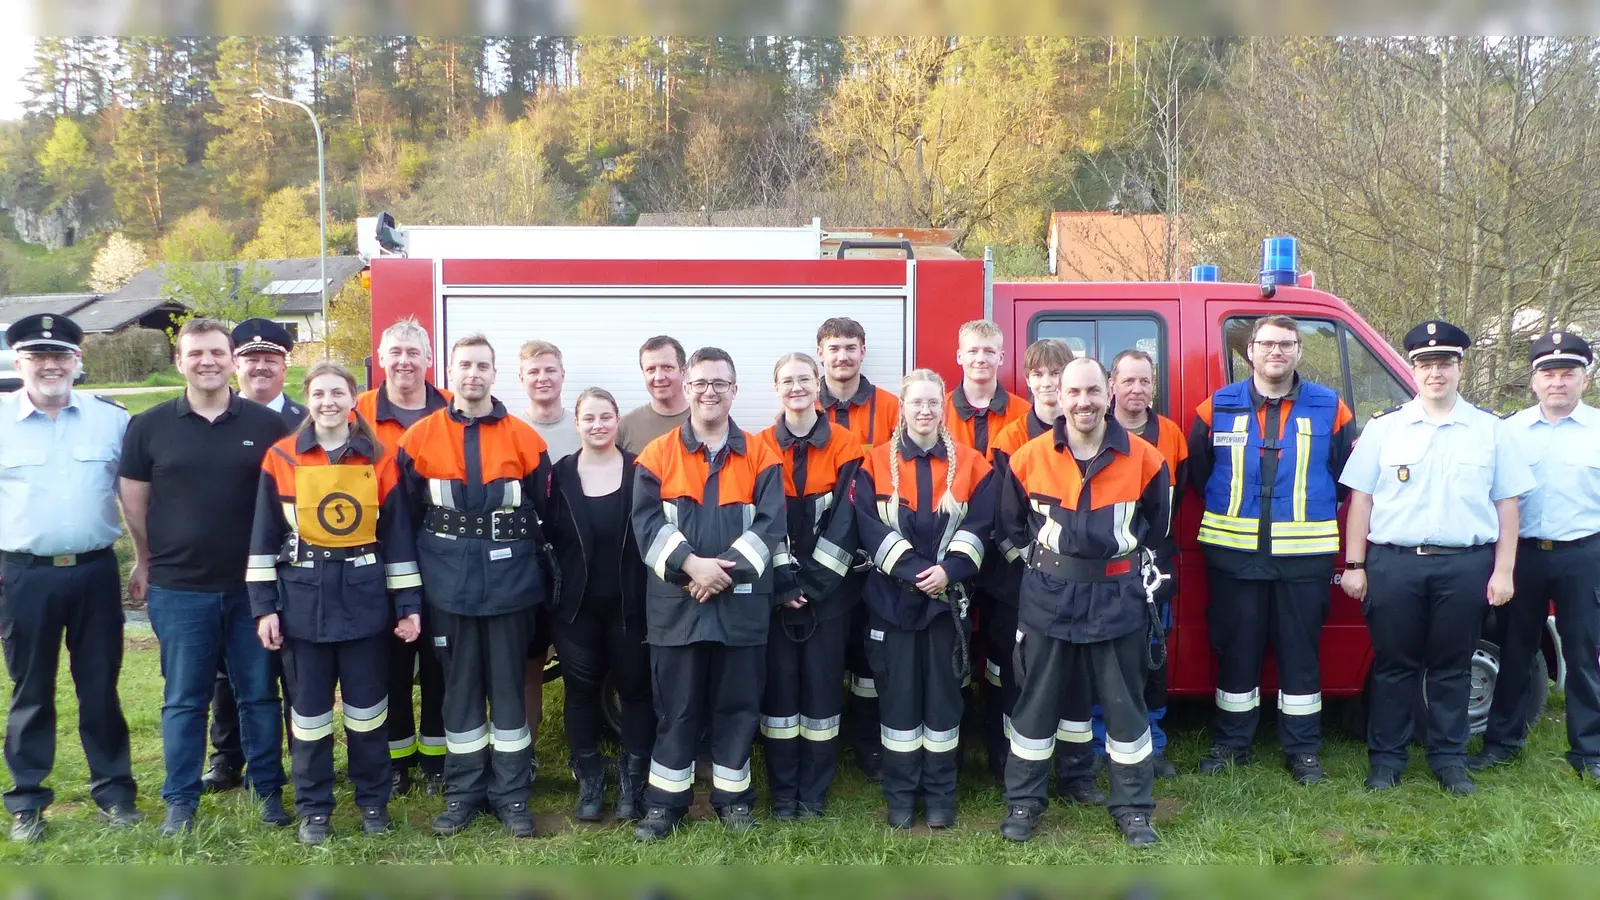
(966, 410)
(306, 441)
(1257, 400)
(497, 411)
(1116, 438)
(910, 451)
(816, 437)
(859, 398)
(236, 403)
(432, 400)
(694, 445)
(1038, 426)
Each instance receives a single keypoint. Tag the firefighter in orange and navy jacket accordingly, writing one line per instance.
(980, 351)
(925, 509)
(1084, 500)
(414, 740)
(800, 712)
(477, 480)
(708, 508)
(332, 568)
(1002, 570)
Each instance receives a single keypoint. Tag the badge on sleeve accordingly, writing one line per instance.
(1403, 473)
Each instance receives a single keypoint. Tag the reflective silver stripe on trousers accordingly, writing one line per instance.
(310, 728)
(780, 728)
(863, 687)
(1074, 732)
(1131, 752)
(673, 781)
(513, 739)
(1228, 701)
(1033, 749)
(1299, 704)
(734, 780)
(898, 741)
(941, 741)
(366, 719)
(467, 741)
(819, 729)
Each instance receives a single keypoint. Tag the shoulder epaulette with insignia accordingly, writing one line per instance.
(1384, 412)
(111, 400)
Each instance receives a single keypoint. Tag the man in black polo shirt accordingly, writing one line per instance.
(190, 469)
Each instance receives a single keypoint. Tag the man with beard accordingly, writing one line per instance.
(477, 479)
(1085, 500)
(1264, 453)
(661, 360)
(709, 507)
(405, 354)
(1433, 510)
(58, 520)
(848, 399)
(1558, 557)
(261, 353)
(183, 461)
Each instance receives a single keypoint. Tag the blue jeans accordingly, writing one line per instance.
(195, 629)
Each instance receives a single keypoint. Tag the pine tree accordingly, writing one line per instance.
(254, 142)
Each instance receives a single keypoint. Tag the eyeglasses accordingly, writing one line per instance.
(924, 404)
(716, 387)
(1280, 346)
(790, 384)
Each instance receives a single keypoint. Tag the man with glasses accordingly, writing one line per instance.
(58, 520)
(709, 509)
(1433, 511)
(1265, 453)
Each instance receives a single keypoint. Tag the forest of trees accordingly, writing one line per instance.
(1425, 177)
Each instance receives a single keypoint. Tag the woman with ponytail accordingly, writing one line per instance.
(332, 572)
(925, 510)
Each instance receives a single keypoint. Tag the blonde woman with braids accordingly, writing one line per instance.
(332, 572)
(925, 509)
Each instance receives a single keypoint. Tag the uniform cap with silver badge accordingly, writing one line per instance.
(46, 333)
(1436, 338)
(256, 335)
(1560, 349)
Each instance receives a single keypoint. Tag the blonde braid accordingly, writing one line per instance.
(948, 503)
(894, 472)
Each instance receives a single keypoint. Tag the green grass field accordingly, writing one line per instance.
(1534, 812)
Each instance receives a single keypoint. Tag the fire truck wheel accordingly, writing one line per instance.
(1485, 672)
(610, 703)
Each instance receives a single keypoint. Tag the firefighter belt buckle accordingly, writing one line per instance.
(291, 546)
(64, 560)
(495, 518)
(1547, 545)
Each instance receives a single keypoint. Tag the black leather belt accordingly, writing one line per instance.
(298, 552)
(60, 561)
(1074, 568)
(505, 525)
(1432, 549)
(1541, 544)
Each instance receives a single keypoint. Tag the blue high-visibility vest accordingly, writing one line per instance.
(1303, 494)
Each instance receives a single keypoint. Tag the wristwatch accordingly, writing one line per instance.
(1355, 565)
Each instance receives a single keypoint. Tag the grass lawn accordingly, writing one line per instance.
(1535, 811)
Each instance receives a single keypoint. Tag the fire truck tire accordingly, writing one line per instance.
(1485, 672)
(610, 703)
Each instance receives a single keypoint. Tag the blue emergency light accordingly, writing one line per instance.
(1204, 273)
(1280, 261)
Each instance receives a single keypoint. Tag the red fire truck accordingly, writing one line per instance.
(760, 292)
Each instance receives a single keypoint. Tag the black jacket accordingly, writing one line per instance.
(570, 532)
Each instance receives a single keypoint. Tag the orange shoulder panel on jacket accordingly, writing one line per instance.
(1203, 411)
(682, 474)
(1012, 437)
(279, 462)
(971, 467)
(1172, 444)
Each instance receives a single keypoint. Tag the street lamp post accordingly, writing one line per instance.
(322, 208)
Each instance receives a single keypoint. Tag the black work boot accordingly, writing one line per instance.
(375, 820)
(27, 827)
(1490, 757)
(400, 781)
(1136, 829)
(1454, 780)
(122, 815)
(656, 825)
(273, 813)
(1219, 758)
(738, 818)
(1081, 791)
(590, 770)
(221, 776)
(1163, 767)
(314, 830)
(516, 819)
(180, 819)
(456, 818)
(631, 775)
(1304, 767)
(1019, 823)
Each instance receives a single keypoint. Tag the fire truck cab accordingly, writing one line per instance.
(599, 292)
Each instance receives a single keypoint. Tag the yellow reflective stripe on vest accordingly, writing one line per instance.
(1302, 466)
(1233, 532)
(1236, 487)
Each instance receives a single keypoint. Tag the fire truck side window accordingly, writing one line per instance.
(1351, 369)
(1103, 337)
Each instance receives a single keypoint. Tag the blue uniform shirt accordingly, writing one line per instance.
(1565, 458)
(58, 478)
(1436, 482)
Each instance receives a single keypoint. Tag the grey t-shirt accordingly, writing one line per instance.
(560, 436)
(643, 425)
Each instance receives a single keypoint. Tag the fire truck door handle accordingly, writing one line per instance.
(874, 245)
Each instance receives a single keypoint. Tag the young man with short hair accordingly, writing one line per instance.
(543, 373)
(979, 408)
(661, 359)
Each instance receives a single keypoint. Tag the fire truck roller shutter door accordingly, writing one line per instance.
(599, 333)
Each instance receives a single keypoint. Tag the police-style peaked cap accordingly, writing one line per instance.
(1436, 338)
(45, 332)
(1560, 349)
(256, 335)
